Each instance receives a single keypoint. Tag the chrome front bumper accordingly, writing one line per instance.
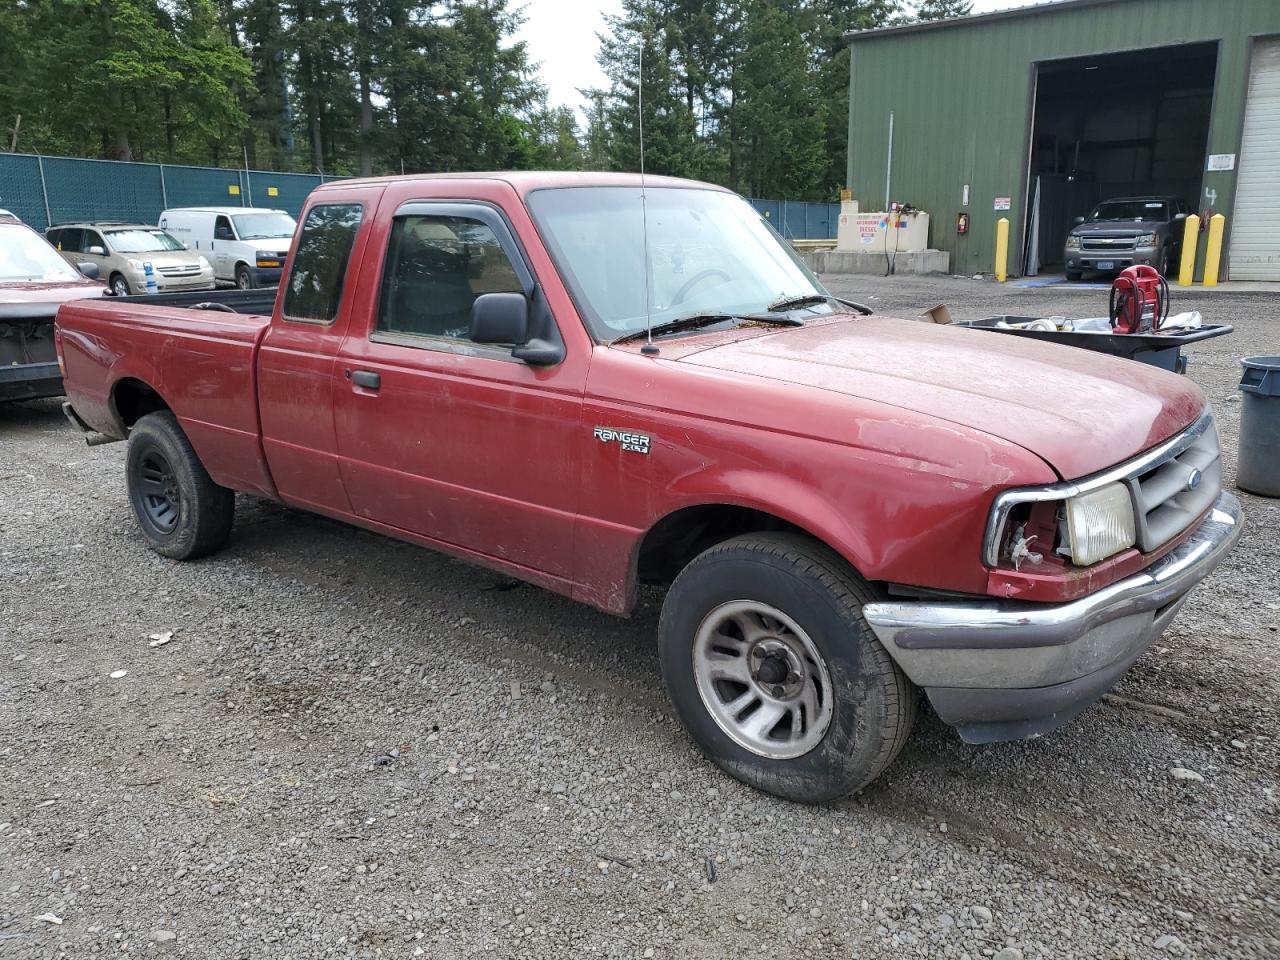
(1006, 670)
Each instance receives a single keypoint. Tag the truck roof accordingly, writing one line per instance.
(525, 181)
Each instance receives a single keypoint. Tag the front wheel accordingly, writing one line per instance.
(119, 285)
(776, 674)
(1074, 276)
(182, 512)
(244, 279)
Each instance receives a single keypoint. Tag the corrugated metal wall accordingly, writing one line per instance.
(961, 96)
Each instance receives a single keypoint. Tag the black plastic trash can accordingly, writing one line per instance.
(1259, 466)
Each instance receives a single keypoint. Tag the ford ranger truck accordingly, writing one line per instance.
(537, 373)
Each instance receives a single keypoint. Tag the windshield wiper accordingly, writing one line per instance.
(696, 320)
(804, 300)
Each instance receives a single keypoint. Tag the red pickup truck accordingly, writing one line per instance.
(591, 384)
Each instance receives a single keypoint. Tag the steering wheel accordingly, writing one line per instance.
(695, 280)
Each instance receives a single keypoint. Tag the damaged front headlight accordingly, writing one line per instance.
(1099, 523)
(1060, 525)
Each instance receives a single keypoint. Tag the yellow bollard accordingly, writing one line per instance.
(1190, 237)
(1213, 249)
(1002, 249)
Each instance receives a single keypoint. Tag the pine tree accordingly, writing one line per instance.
(943, 9)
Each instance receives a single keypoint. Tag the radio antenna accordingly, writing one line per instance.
(648, 349)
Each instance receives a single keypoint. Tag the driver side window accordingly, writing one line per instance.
(436, 267)
(222, 229)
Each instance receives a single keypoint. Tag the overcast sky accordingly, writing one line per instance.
(561, 35)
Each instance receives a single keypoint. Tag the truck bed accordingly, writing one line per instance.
(259, 301)
(201, 363)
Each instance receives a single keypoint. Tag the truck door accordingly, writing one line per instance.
(452, 440)
(296, 360)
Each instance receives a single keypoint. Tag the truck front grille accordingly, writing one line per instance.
(1109, 245)
(1173, 490)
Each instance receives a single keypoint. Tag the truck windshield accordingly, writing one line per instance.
(25, 256)
(142, 241)
(710, 252)
(1131, 210)
(264, 226)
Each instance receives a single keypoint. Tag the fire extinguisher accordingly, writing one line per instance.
(1139, 300)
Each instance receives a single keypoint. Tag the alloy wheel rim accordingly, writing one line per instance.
(158, 492)
(762, 679)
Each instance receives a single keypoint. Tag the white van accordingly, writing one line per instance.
(246, 245)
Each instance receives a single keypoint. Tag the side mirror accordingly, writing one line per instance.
(500, 318)
(1078, 220)
(96, 251)
(89, 270)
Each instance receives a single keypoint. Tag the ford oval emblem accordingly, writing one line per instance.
(1193, 479)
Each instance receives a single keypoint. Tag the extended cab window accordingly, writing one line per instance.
(320, 263)
(436, 267)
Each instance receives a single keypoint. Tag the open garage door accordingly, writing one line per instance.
(1132, 124)
(1255, 239)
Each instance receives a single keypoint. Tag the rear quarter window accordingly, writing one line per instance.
(320, 262)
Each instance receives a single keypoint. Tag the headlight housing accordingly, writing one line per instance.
(1073, 242)
(1146, 240)
(204, 263)
(135, 265)
(1099, 524)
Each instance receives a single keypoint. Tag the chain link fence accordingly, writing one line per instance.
(801, 219)
(47, 190)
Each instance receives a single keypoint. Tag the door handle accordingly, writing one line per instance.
(365, 378)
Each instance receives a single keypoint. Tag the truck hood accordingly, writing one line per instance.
(1079, 411)
(1118, 228)
(18, 295)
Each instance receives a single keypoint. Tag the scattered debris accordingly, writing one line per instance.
(709, 867)
(51, 918)
(163, 936)
(160, 639)
(1182, 773)
(119, 674)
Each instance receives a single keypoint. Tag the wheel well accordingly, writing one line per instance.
(133, 400)
(679, 537)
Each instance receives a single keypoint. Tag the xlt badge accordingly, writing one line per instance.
(631, 442)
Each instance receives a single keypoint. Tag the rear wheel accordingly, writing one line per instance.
(244, 279)
(182, 512)
(119, 285)
(1074, 276)
(776, 674)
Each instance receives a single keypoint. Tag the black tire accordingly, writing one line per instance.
(1074, 276)
(873, 705)
(119, 285)
(182, 512)
(1166, 263)
(244, 277)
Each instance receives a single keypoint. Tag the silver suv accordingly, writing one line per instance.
(123, 252)
(1124, 231)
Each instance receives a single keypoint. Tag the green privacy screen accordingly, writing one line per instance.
(48, 190)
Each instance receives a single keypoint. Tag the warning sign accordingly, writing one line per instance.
(1004, 203)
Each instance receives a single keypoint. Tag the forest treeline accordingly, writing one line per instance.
(752, 94)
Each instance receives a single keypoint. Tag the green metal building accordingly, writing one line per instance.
(1037, 113)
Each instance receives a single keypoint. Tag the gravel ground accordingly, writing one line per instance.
(351, 747)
